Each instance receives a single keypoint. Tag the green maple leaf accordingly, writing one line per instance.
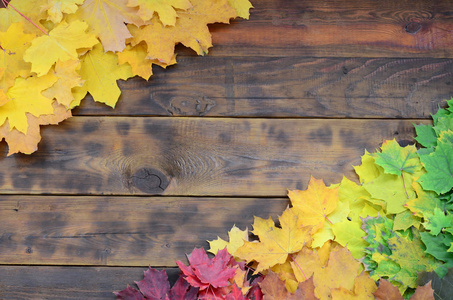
(396, 159)
(439, 167)
(438, 246)
(426, 135)
(438, 221)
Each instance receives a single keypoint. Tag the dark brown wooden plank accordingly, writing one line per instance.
(287, 87)
(23, 282)
(340, 28)
(119, 231)
(193, 156)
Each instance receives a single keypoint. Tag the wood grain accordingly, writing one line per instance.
(21, 282)
(339, 28)
(194, 156)
(287, 87)
(119, 231)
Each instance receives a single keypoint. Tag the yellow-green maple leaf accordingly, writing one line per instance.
(275, 243)
(313, 205)
(237, 238)
(14, 43)
(190, 29)
(61, 44)
(68, 78)
(56, 8)
(350, 234)
(25, 97)
(101, 70)
(166, 9)
(107, 19)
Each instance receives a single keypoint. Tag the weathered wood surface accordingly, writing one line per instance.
(194, 156)
(119, 231)
(20, 282)
(287, 87)
(338, 28)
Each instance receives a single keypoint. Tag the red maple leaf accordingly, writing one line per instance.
(182, 290)
(236, 294)
(204, 272)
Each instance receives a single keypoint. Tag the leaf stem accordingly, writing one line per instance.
(6, 4)
(292, 257)
(404, 185)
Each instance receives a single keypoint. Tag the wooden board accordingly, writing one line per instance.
(287, 87)
(20, 282)
(119, 231)
(339, 28)
(192, 157)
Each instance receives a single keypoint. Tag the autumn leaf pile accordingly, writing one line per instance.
(387, 236)
(54, 52)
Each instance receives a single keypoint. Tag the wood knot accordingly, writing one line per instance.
(149, 180)
(413, 27)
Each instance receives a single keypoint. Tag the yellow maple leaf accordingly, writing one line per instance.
(275, 243)
(340, 271)
(61, 44)
(136, 57)
(364, 287)
(190, 29)
(100, 71)
(28, 8)
(14, 43)
(236, 240)
(25, 97)
(56, 8)
(107, 19)
(313, 205)
(242, 7)
(68, 78)
(166, 9)
(3, 97)
(28, 143)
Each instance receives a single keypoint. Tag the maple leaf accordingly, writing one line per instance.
(155, 286)
(19, 142)
(442, 286)
(29, 8)
(56, 8)
(349, 234)
(166, 9)
(425, 203)
(396, 159)
(275, 243)
(405, 220)
(325, 277)
(438, 221)
(313, 205)
(426, 135)
(203, 272)
(106, 19)
(100, 71)
(237, 238)
(364, 287)
(236, 294)
(368, 170)
(387, 291)
(25, 97)
(439, 167)
(242, 7)
(68, 78)
(190, 29)
(63, 40)
(136, 57)
(274, 289)
(13, 42)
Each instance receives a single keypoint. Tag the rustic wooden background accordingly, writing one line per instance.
(300, 89)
